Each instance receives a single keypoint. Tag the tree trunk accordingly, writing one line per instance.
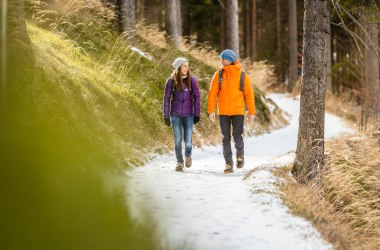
(17, 60)
(328, 53)
(371, 109)
(171, 23)
(310, 146)
(179, 17)
(254, 30)
(246, 28)
(118, 17)
(222, 25)
(186, 22)
(293, 52)
(278, 27)
(232, 26)
(3, 49)
(128, 18)
(140, 9)
(336, 52)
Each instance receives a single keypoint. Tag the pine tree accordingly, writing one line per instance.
(328, 53)
(128, 19)
(253, 47)
(171, 22)
(293, 52)
(16, 53)
(371, 111)
(278, 26)
(310, 146)
(232, 26)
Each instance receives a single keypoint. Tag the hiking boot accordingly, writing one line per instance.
(188, 161)
(179, 166)
(240, 161)
(229, 169)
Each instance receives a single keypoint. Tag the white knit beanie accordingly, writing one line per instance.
(178, 62)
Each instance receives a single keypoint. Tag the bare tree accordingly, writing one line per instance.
(371, 109)
(293, 53)
(254, 30)
(140, 9)
(16, 53)
(171, 22)
(310, 146)
(328, 53)
(222, 24)
(3, 48)
(232, 26)
(247, 25)
(278, 26)
(179, 17)
(128, 19)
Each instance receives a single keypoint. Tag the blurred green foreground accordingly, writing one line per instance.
(53, 168)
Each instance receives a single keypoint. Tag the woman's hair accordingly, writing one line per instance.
(177, 78)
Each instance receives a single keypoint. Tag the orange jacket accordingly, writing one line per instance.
(230, 97)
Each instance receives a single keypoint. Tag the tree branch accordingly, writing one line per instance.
(340, 8)
(221, 3)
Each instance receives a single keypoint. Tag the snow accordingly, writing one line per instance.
(203, 208)
(142, 53)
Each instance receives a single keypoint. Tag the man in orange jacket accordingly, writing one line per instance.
(227, 88)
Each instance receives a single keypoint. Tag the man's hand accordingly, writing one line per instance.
(212, 116)
(251, 118)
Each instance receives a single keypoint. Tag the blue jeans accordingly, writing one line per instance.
(185, 123)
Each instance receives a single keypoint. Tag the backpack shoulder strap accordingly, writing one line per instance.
(242, 75)
(172, 85)
(220, 78)
(191, 87)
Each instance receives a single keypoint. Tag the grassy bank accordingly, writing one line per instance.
(346, 208)
(90, 74)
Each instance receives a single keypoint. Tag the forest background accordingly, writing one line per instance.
(79, 105)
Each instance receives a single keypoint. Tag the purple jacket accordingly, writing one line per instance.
(183, 103)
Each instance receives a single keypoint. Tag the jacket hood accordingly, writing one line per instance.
(232, 67)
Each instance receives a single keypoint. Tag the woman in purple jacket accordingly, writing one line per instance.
(182, 108)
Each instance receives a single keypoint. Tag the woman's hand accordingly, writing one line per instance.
(196, 119)
(167, 121)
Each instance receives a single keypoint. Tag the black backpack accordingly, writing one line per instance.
(242, 75)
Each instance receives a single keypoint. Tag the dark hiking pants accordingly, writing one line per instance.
(237, 123)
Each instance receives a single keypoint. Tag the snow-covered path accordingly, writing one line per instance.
(203, 208)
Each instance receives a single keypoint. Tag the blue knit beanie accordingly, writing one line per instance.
(229, 55)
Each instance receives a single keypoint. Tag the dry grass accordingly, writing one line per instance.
(344, 106)
(346, 208)
(261, 73)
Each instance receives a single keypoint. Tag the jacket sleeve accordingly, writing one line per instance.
(213, 93)
(249, 95)
(167, 95)
(197, 97)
